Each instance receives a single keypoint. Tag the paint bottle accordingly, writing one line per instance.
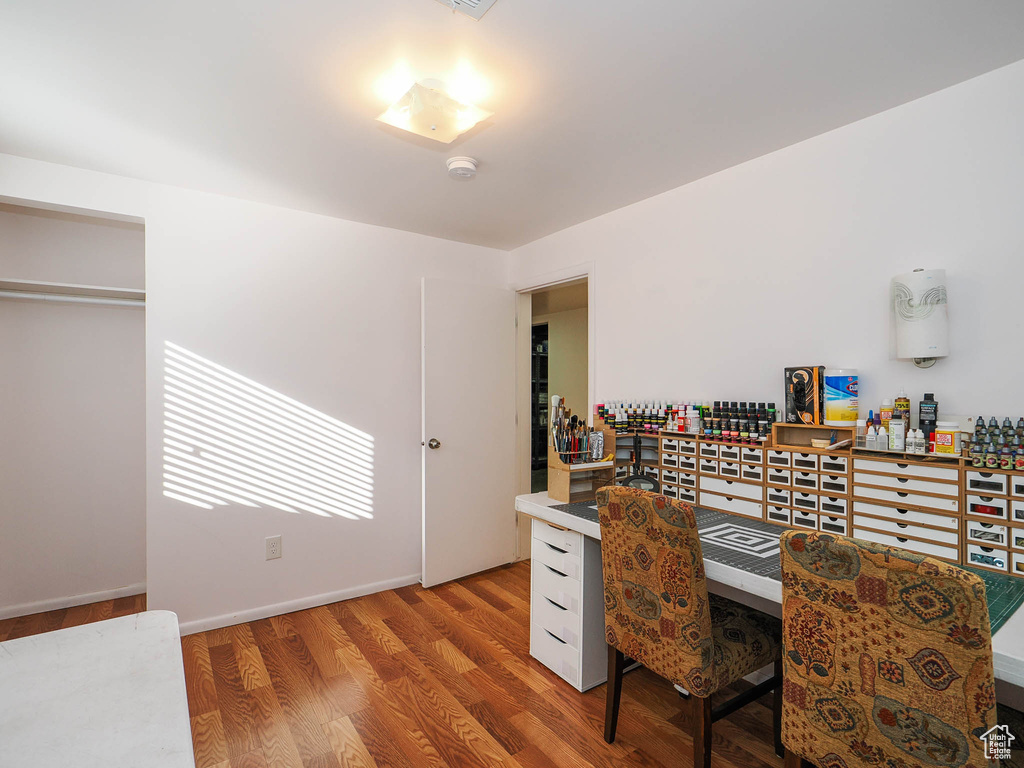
(897, 435)
(1018, 459)
(928, 415)
(1005, 456)
(901, 408)
(871, 439)
(922, 442)
(882, 439)
(991, 455)
(886, 412)
(977, 454)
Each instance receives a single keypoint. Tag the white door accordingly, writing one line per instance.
(469, 476)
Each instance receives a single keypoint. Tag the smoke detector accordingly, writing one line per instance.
(475, 9)
(461, 167)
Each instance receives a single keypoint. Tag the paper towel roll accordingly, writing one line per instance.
(919, 303)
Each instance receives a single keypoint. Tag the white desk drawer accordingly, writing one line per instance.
(780, 496)
(780, 515)
(548, 582)
(833, 465)
(708, 467)
(805, 480)
(567, 541)
(670, 459)
(688, 447)
(558, 656)
(781, 477)
(729, 453)
(832, 505)
(805, 461)
(752, 472)
(988, 506)
(730, 488)
(832, 524)
(925, 471)
(670, 477)
(921, 547)
(559, 621)
(709, 450)
(903, 499)
(805, 500)
(672, 491)
(1017, 538)
(669, 445)
(1018, 562)
(836, 484)
(906, 484)
(1017, 510)
(687, 480)
(752, 455)
(898, 528)
(780, 459)
(739, 506)
(805, 519)
(1017, 485)
(728, 469)
(987, 557)
(987, 482)
(687, 463)
(549, 554)
(988, 534)
(689, 495)
(907, 515)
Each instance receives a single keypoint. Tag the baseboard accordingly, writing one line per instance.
(266, 611)
(26, 609)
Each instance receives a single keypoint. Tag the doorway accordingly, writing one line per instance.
(559, 364)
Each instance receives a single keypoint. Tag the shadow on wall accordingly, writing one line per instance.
(230, 440)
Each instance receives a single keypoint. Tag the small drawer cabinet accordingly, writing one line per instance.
(566, 605)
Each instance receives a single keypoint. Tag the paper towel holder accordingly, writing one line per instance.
(921, 320)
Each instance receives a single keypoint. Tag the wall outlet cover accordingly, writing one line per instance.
(273, 547)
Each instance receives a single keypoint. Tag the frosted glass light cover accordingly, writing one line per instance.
(432, 113)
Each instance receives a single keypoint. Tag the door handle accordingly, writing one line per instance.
(434, 443)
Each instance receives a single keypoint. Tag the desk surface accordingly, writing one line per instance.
(106, 694)
(1007, 643)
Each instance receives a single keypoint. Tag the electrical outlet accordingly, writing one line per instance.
(273, 547)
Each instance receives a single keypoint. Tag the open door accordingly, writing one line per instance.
(469, 429)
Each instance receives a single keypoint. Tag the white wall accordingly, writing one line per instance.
(709, 290)
(72, 415)
(567, 357)
(321, 310)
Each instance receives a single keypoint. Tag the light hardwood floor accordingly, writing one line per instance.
(414, 677)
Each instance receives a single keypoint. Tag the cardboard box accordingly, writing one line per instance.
(805, 394)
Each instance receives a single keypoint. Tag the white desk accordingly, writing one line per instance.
(1007, 643)
(109, 694)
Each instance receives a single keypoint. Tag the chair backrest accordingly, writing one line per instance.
(655, 595)
(887, 656)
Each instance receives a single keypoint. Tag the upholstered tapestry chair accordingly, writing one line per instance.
(887, 657)
(658, 612)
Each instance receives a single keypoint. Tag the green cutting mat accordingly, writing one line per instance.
(1005, 595)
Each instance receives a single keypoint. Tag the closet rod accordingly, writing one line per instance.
(72, 299)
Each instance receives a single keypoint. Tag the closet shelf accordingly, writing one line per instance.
(93, 294)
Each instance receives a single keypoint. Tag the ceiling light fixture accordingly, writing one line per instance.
(427, 109)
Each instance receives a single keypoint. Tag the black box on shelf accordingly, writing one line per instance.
(805, 394)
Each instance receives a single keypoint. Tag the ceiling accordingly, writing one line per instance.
(562, 298)
(597, 104)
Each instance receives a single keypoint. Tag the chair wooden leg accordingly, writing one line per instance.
(777, 711)
(792, 760)
(701, 731)
(616, 665)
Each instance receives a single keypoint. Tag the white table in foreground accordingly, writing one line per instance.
(108, 694)
(1007, 643)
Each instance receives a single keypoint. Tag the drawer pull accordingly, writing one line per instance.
(557, 549)
(556, 527)
(556, 637)
(902, 466)
(556, 571)
(902, 495)
(902, 479)
(901, 511)
(728, 498)
(901, 541)
(559, 607)
(902, 525)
